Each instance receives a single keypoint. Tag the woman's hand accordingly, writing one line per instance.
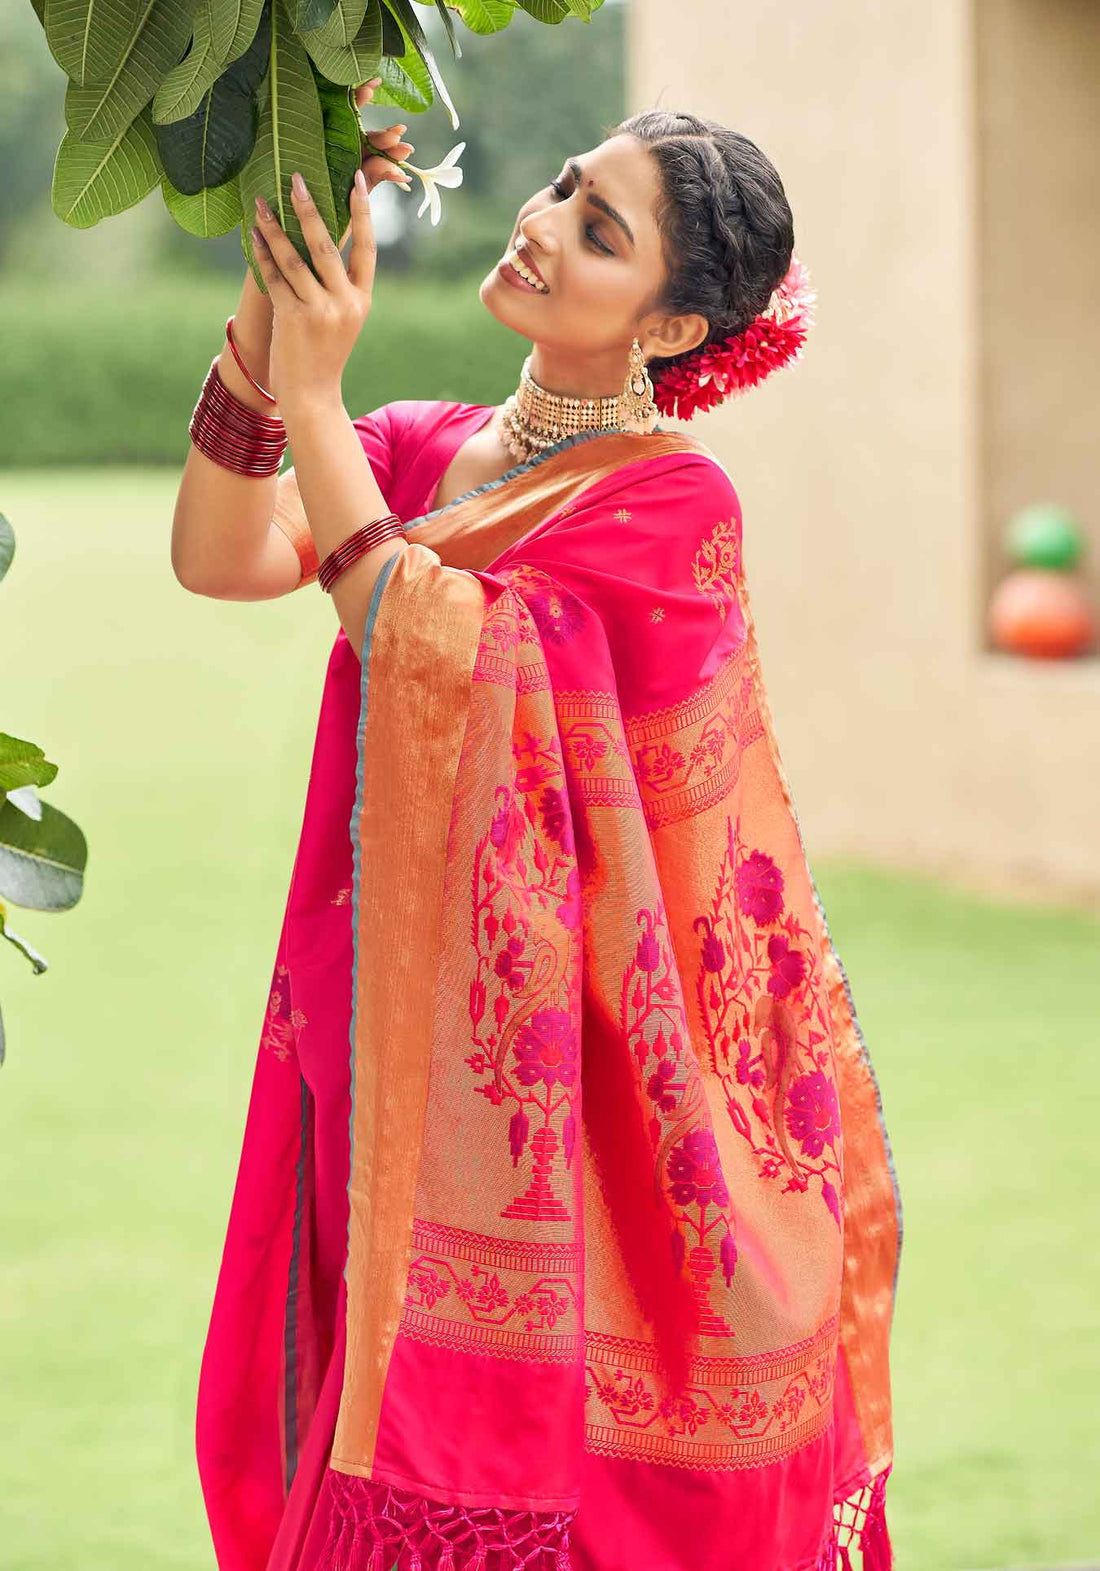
(317, 320)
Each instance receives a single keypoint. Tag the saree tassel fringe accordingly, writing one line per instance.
(407, 1532)
(860, 1521)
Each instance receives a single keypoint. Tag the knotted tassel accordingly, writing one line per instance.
(874, 1541)
(845, 1558)
(478, 1562)
(562, 1560)
(375, 1561)
(447, 1558)
(415, 1563)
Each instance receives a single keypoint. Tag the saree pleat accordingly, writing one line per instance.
(622, 1222)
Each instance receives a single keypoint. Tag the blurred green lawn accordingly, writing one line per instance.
(183, 729)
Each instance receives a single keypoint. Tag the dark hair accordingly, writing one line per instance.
(726, 229)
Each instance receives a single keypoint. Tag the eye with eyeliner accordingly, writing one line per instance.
(560, 193)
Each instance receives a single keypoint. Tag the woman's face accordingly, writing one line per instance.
(600, 269)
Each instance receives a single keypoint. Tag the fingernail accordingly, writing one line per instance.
(262, 208)
(361, 181)
(299, 185)
(375, 81)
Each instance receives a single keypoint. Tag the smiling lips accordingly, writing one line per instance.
(515, 259)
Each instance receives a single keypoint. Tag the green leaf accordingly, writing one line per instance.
(343, 146)
(549, 11)
(348, 64)
(449, 27)
(307, 14)
(291, 137)
(182, 90)
(213, 145)
(341, 28)
(23, 763)
(405, 85)
(143, 42)
(7, 545)
(41, 861)
(210, 212)
(410, 24)
(486, 16)
(93, 180)
(233, 26)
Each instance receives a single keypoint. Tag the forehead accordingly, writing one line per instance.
(624, 173)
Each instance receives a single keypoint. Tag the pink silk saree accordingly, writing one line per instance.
(566, 1230)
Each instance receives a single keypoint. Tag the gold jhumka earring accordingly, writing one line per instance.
(638, 412)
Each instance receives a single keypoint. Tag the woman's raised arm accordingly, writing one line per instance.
(225, 542)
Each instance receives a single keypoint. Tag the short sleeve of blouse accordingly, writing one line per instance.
(378, 432)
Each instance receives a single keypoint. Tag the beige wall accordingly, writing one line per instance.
(860, 470)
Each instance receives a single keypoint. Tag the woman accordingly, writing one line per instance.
(565, 1231)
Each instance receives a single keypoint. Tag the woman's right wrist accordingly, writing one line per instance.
(252, 322)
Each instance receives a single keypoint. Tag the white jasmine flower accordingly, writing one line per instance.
(446, 174)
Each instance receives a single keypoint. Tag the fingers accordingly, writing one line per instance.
(322, 247)
(363, 245)
(292, 266)
(279, 291)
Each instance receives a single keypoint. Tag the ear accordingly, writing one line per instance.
(674, 335)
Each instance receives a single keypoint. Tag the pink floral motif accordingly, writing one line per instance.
(788, 965)
(526, 934)
(656, 1029)
(483, 1297)
(813, 1113)
(682, 1414)
(760, 888)
(425, 1287)
(695, 1171)
(762, 999)
(546, 1049)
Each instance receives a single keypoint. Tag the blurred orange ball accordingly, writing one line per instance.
(1040, 612)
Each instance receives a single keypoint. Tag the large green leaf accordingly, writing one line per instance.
(307, 14)
(213, 145)
(549, 11)
(23, 763)
(42, 860)
(341, 27)
(291, 137)
(343, 145)
(348, 64)
(449, 27)
(406, 83)
(183, 89)
(233, 25)
(410, 24)
(143, 42)
(486, 16)
(209, 212)
(93, 180)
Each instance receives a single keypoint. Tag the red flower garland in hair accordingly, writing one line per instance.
(734, 364)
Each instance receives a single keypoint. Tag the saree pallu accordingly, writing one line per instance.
(613, 1279)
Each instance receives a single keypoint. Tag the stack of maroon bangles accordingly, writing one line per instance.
(237, 437)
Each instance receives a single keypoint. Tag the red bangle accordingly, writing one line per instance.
(263, 392)
(357, 545)
(233, 435)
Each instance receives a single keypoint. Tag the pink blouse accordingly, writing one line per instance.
(409, 443)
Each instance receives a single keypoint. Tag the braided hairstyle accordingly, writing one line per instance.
(727, 234)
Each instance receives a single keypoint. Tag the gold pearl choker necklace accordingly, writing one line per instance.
(534, 419)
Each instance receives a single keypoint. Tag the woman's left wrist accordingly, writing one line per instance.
(302, 410)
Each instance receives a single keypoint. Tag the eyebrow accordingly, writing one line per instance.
(597, 201)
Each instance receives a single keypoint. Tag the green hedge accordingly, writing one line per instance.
(107, 376)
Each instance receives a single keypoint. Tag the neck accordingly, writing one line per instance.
(572, 376)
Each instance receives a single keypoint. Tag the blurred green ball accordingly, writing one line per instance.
(1044, 535)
